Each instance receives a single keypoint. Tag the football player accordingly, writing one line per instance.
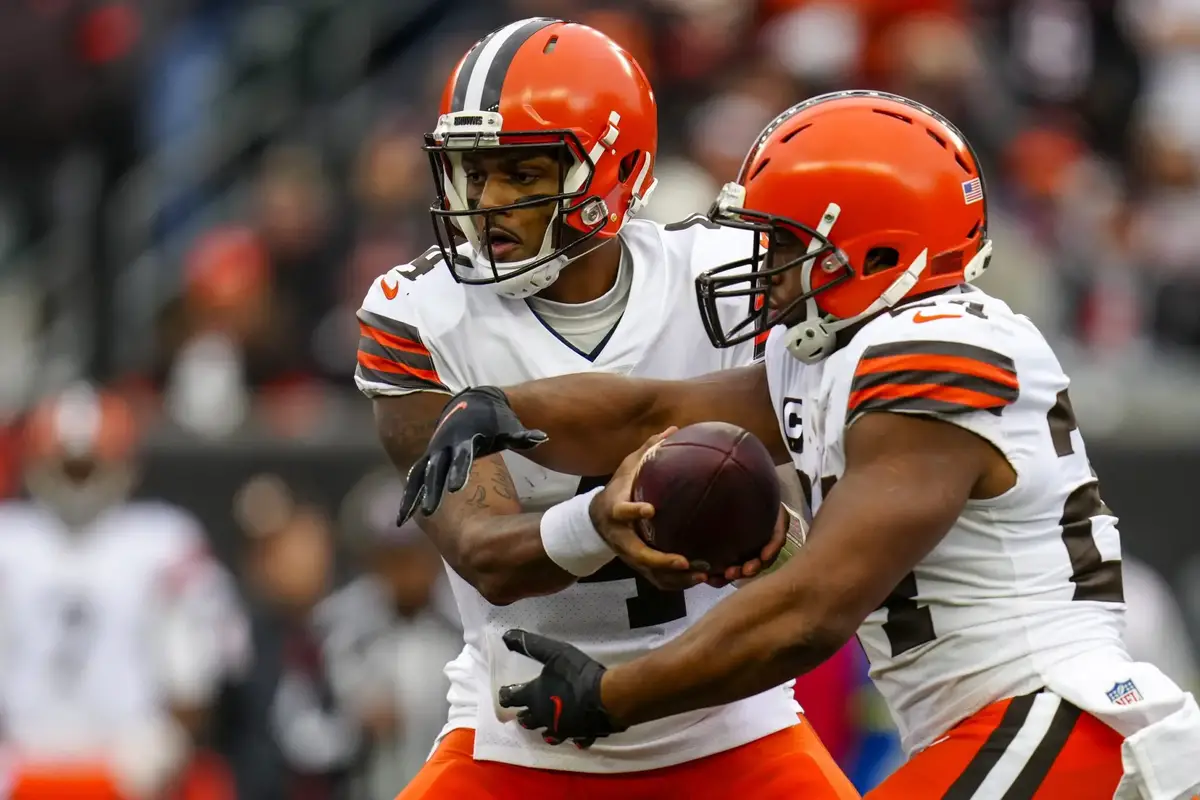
(117, 625)
(958, 526)
(542, 157)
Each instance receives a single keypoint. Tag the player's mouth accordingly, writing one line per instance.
(778, 302)
(501, 243)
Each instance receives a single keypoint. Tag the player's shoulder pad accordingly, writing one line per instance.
(948, 354)
(158, 520)
(421, 293)
(21, 519)
(970, 318)
(702, 244)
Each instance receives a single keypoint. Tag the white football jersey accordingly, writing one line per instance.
(84, 619)
(1022, 581)
(421, 330)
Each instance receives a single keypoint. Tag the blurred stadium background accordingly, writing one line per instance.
(195, 195)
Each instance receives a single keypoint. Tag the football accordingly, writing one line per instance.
(715, 495)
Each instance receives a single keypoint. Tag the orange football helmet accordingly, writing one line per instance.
(541, 83)
(876, 197)
(79, 453)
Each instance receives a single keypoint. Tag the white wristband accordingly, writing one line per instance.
(570, 539)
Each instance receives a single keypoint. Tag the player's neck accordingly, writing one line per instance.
(589, 277)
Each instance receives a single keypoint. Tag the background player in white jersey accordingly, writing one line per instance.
(542, 156)
(116, 626)
(958, 526)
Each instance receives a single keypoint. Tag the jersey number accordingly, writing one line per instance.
(651, 605)
(421, 264)
(691, 222)
(76, 634)
(1094, 578)
(908, 625)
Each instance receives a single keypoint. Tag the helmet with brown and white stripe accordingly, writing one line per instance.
(543, 85)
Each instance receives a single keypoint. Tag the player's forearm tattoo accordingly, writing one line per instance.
(502, 484)
(478, 497)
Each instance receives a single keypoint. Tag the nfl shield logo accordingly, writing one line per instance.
(1124, 693)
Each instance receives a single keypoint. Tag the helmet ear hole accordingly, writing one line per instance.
(627, 165)
(880, 259)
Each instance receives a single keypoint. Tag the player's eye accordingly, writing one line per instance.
(525, 177)
(474, 177)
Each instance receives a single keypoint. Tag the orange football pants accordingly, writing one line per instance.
(206, 778)
(63, 782)
(787, 765)
(1033, 747)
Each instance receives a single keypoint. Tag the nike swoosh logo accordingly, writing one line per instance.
(557, 710)
(389, 290)
(920, 317)
(461, 405)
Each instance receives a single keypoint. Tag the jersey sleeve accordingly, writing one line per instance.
(932, 377)
(393, 358)
(960, 367)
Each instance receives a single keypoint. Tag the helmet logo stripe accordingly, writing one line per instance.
(482, 85)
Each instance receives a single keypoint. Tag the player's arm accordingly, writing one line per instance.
(906, 481)
(595, 420)
(481, 531)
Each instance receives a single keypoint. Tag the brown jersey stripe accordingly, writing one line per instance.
(408, 358)
(940, 348)
(915, 405)
(391, 327)
(961, 400)
(387, 366)
(928, 362)
(391, 341)
(957, 380)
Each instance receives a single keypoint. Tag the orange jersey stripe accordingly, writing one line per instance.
(380, 364)
(963, 365)
(931, 391)
(391, 340)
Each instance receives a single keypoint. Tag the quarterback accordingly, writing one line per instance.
(958, 526)
(542, 157)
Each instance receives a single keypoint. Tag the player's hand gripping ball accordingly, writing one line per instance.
(715, 495)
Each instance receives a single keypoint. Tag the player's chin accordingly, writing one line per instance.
(782, 315)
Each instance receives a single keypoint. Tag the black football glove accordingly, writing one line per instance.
(565, 698)
(476, 422)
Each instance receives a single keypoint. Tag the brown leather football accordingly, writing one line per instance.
(715, 494)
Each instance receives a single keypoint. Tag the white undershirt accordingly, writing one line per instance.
(585, 325)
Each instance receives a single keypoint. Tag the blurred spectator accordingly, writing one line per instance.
(290, 732)
(219, 338)
(298, 221)
(405, 574)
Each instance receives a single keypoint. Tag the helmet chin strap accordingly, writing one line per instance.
(521, 286)
(814, 339)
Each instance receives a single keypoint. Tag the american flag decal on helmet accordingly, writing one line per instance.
(972, 190)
